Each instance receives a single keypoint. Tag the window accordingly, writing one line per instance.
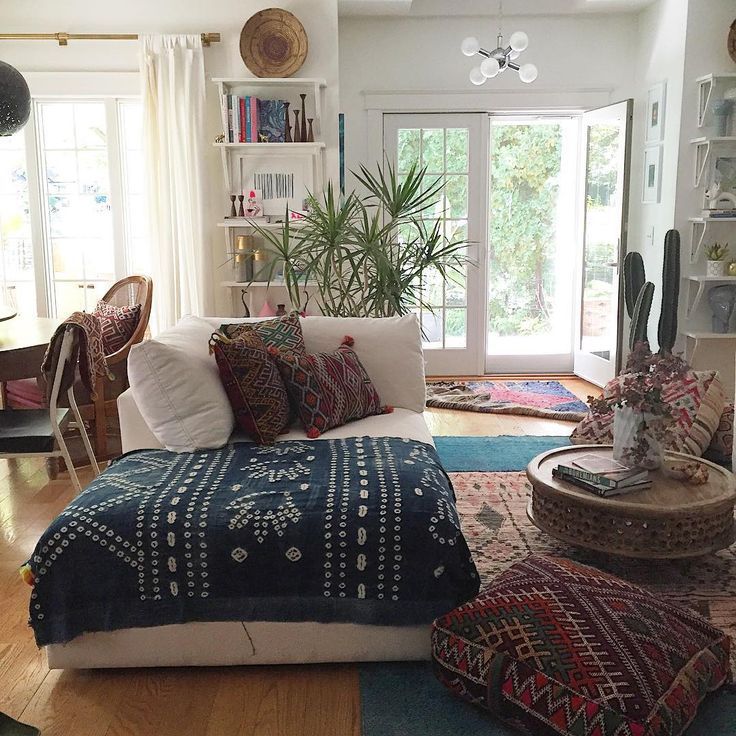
(87, 161)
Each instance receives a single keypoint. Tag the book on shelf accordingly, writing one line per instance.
(253, 120)
(603, 491)
(715, 214)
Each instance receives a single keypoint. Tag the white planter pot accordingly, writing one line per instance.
(715, 268)
(634, 442)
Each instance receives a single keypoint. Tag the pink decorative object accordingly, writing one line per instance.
(267, 310)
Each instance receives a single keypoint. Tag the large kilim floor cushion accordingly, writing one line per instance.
(284, 333)
(697, 399)
(555, 647)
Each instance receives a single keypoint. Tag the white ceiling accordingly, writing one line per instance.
(487, 7)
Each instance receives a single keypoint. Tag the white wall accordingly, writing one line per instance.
(660, 56)
(705, 53)
(573, 54)
(227, 17)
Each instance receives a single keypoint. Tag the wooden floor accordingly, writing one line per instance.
(315, 700)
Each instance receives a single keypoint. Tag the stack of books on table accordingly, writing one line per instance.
(603, 476)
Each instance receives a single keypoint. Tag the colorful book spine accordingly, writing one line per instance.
(246, 116)
(236, 118)
(229, 118)
(253, 112)
(243, 119)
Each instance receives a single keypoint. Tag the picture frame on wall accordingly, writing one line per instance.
(652, 189)
(656, 111)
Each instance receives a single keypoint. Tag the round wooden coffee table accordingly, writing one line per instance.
(672, 519)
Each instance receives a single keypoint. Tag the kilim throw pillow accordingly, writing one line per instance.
(284, 333)
(118, 324)
(328, 389)
(554, 647)
(698, 400)
(720, 449)
(253, 385)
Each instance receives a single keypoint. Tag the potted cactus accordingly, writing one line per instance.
(642, 419)
(716, 255)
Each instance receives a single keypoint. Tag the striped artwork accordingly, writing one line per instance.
(274, 186)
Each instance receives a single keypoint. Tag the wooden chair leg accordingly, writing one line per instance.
(100, 424)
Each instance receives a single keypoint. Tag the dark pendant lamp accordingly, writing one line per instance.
(15, 100)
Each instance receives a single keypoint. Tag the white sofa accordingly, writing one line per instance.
(150, 417)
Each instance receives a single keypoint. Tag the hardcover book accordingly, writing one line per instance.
(272, 120)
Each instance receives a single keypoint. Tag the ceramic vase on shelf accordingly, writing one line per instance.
(297, 128)
(715, 268)
(287, 124)
(303, 130)
(635, 440)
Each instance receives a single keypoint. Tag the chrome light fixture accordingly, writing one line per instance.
(501, 58)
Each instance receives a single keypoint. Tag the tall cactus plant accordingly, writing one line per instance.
(638, 294)
(667, 331)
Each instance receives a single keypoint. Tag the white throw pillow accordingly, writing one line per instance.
(177, 388)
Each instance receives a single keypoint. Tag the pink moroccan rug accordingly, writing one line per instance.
(534, 398)
(492, 510)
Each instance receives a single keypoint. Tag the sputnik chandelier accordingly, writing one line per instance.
(501, 58)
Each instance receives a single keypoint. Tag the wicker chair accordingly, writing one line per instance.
(124, 293)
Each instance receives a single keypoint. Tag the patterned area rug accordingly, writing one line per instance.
(492, 510)
(533, 398)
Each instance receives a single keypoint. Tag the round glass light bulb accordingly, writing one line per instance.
(476, 76)
(519, 41)
(470, 46)
(528, 73)
(490, 67)
(514, 55)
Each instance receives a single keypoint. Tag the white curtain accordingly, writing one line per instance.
(172, 70)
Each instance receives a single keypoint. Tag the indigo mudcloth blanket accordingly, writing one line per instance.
(361, 530)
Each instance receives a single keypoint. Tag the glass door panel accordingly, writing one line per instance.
(446, 145)
(607, 151)
(75, 177)
(533, 166)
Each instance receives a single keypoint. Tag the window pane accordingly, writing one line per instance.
(17, 284)
(433, 150)
(456, 191)
(456, 328)
(90, 125)
(457, 150)
(432, 329)
(57, 125)
(409, 143)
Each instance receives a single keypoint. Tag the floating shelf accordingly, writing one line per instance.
(274, 147)
(699, 229)
(272, 81)
(710, 335)
(714, 139)
(242, 222)
(711, 219)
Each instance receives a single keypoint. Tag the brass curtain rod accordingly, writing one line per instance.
(64, 38)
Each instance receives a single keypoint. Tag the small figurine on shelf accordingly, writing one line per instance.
(220, 138)
(303, 129)
(310, 134)
(233, 211)
(297, 128)
(246, 309)
(262, 138)
(253, 208)
(241, 213)
(280, 310)
(287, 124)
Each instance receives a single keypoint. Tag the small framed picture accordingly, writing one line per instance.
(656, 104)
(652, 190)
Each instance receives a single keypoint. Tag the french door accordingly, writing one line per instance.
(454, 148)
(607, 152)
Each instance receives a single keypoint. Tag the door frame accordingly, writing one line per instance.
(587, 366)
(471, 359)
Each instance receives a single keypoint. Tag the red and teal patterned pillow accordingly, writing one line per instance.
(253, 386)
(697, 400)
(117, 323)
(554, 647)
(328, 389)
(284, 333)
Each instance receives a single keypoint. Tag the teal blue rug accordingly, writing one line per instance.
(405, 699)
(503, 454)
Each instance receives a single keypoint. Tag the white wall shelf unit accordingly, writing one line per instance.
(705, 230)
(241, 161)
(709, 86)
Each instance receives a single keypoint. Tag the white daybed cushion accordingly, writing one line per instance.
(178, 390)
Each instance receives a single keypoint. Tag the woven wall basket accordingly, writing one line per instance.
(273, 43)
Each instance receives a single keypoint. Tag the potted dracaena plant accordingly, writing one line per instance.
(368, 254)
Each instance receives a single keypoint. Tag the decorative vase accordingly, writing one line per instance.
(267, 310)
(303, 129)
(635, 441)
(287, 124)
(280, 310)
(297, 129)
(732, 268)
(310, 134)
(722, 113)
(715, 268)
